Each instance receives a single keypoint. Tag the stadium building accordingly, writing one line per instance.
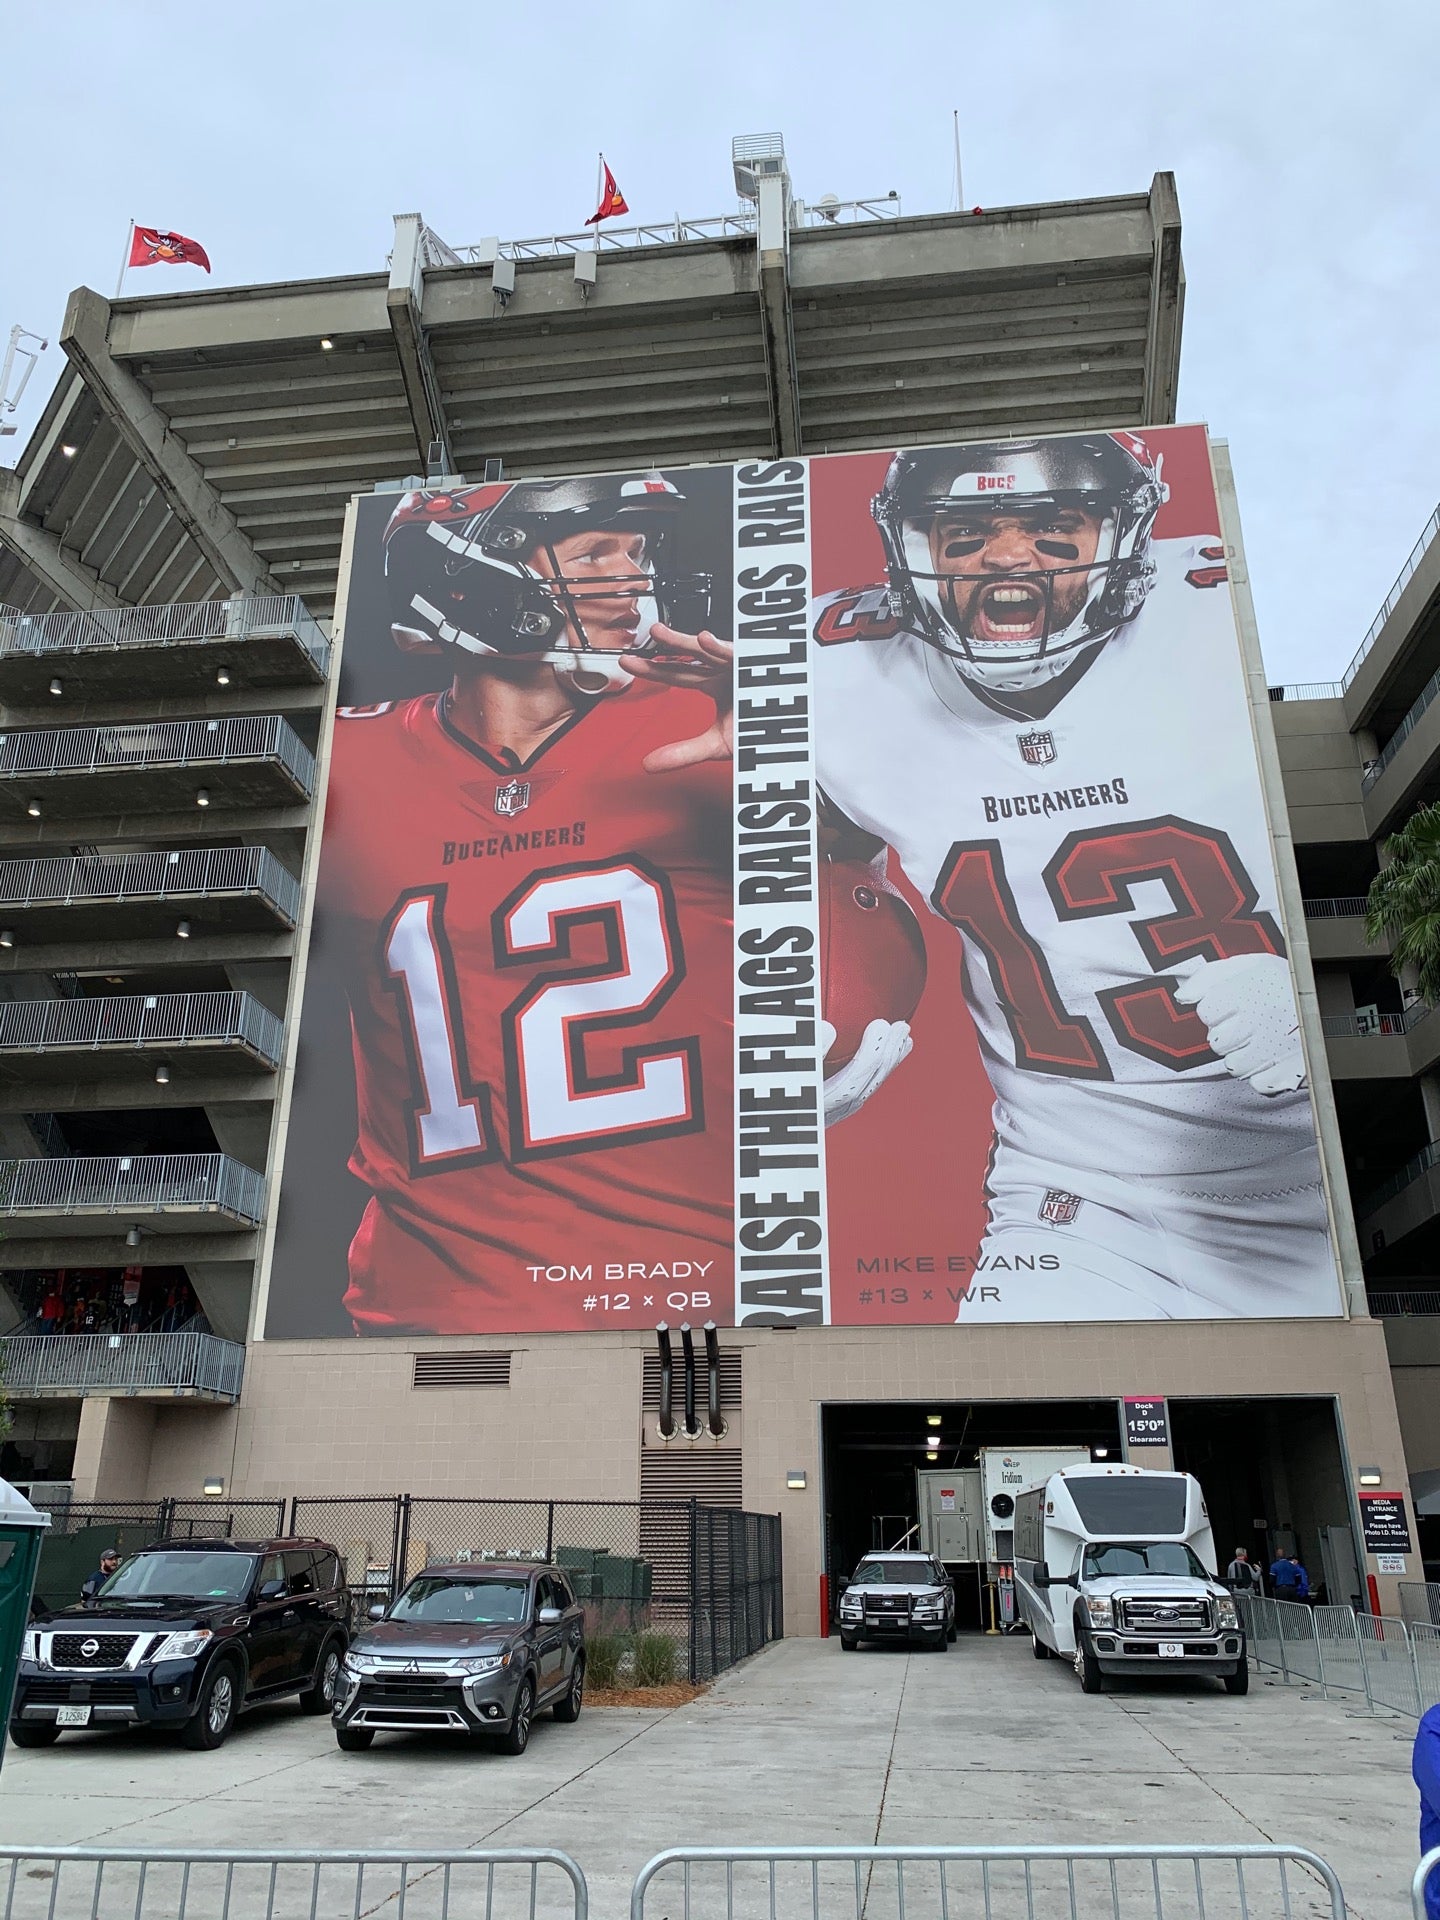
(170, 566)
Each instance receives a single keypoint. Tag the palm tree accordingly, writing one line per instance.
(1404, 900)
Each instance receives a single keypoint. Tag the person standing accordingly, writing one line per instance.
(1302, 1578)
(1284, 1579)
(1240, 1575)
(109, 1563)
(1425, 1767)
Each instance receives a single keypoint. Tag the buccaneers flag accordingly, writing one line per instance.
(612, 201)
(153, 247)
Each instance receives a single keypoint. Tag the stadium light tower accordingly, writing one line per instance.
(17, 350)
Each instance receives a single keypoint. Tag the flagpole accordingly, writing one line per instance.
(959, 189)
(125, 259)
(599, 190)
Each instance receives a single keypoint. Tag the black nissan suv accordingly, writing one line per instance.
(185, 1636)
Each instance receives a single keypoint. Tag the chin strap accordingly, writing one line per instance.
(590, 674)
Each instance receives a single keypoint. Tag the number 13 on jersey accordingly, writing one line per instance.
(556, 1100)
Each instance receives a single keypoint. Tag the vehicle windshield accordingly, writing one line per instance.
(444, 1600)
(895, 1573)
(1112, 1559)
(181, 1575)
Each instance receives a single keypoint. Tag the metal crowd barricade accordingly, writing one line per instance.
(998, 1883)
(1390, 1679)
(1392, 1663)
(212, 1883)
(1427, 1872)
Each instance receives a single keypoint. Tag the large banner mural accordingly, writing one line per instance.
(831, 890)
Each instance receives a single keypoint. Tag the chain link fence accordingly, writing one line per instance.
(1391, 1663)
(78, 1534)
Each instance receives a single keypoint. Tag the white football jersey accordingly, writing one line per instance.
(1081, 857)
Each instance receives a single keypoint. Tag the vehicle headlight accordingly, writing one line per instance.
(930, 1603)
(1227, 1613)
(1097, 1605)
(30, 1648)
(485, 1663)
(850, 1603)
(183, 1646)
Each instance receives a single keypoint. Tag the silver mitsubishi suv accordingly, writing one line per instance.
(476, 1647)
(897, 1596)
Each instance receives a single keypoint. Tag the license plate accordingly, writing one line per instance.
(73, 1717)
(1172, 1649)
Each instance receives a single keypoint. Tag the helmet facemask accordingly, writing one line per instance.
(1057, 611)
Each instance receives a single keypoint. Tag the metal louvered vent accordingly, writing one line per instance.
(729, 1379)
(462, 1370)
(710, 1475)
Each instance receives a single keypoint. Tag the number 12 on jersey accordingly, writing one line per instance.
(556, 1101)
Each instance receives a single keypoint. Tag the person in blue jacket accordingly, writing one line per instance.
(1425, 1765)
(1284, 1578)
(1302, 1578)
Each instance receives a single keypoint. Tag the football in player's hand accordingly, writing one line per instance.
(872, 955)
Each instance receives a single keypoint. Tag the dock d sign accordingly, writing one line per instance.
(1146, 1423)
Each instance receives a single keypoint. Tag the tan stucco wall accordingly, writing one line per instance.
(342, 1416)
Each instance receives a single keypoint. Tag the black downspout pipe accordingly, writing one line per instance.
(667, 1381)
(687, 1345)
(712, 1370)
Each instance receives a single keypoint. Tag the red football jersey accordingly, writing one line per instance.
(538, 964)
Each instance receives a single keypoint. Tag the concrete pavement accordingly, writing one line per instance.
(804, 1744)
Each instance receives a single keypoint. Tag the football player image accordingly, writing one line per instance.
(527, 875)
(1038, 713)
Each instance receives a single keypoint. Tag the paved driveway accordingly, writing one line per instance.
(803, 1744)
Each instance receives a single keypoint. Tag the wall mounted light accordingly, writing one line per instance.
(1371, 1477)
(1100, 1453)
(69, 451)
(132, 1238)
(796, 1480)
(327, 345)
(213, 1487)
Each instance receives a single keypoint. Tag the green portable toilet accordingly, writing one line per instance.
(21, 1530)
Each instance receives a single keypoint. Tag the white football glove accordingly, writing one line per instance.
(1248, 1007)
(883, 1045)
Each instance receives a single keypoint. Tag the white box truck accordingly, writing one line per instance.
(1005, 1473)
(1115, 1570)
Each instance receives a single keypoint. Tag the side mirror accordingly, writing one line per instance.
(272, 1590)
(550, 1616)
(841, 1585)
(1040, 1576)
(376, 1610)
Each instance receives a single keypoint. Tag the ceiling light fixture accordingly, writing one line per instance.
(7, 938)
(222, 676)
(202, 796)
(69, 451)
(162, 1076)
(132, 1238)
(327, 345)
(932, 1419)
(33, 808)
(56, 688)
(182, 930)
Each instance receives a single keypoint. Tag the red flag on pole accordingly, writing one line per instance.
(612, 201)
(153, 247)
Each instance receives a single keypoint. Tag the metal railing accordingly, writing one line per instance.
(129, 1362)
(203, 621)
(1428, 1870)
(1423, 701)
(285, 1883)
(1306, 690)
(1396, 1303)
(133, 1183)
(1392, 599)
(141, 1020)
(1000, 1882)
(1391, 1026)
(158, 743)
(1412, 1171)
(1340, 906)
(739, 225)
(1392, 1663)
(65, 879)
(1420, 1602)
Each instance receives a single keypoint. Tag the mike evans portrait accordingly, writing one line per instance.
(513, 1096)
(1030, 716)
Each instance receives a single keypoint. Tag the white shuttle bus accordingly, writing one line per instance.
(1115, 1570)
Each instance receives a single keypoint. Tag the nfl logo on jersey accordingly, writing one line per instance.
(1036, 749)
(1058, 1208)
(513, 797)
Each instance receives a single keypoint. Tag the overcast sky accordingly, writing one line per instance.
(1303, 139)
